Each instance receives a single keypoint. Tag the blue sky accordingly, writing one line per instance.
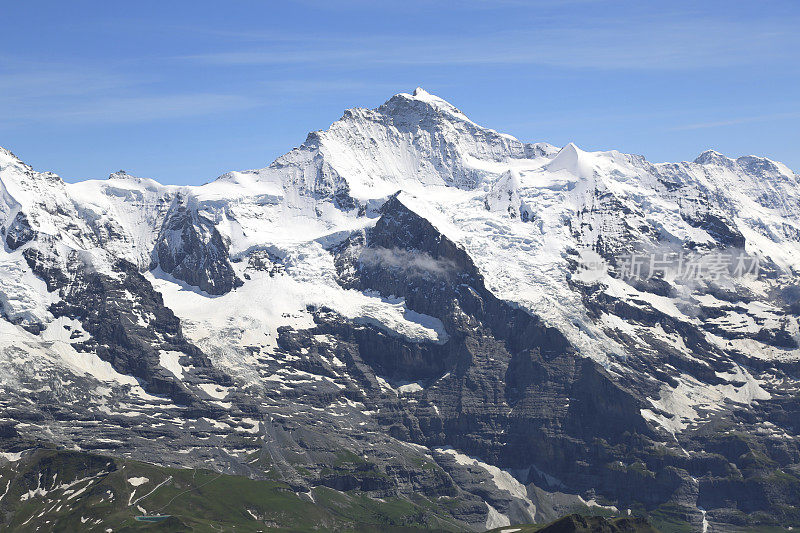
(184, 91)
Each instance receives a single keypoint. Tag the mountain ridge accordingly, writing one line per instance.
(433, 102)
(410, 281)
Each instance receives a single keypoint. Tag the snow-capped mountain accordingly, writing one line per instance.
(408, 288)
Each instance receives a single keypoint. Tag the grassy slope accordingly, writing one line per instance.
(86, 492)
(199, 500)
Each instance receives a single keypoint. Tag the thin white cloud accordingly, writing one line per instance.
(650, 44)
(23, 80)
(138, 108)
(303, 88)
(737, 121)
(324, 55)
(39, 84)
(42, 92)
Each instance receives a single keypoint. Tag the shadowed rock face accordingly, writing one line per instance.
(19, 232)
(598, 524)
(505, 386)
(191, 249)
(128, 323)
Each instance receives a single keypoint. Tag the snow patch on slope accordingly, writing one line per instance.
(502, 479)
(691, 399)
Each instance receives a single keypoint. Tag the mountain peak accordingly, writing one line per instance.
(122, 175)
(712, 157)
(573, 160)
(8, 157)
(420, 102)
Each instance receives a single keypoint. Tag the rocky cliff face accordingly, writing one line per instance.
(412, 308)
(191, 249)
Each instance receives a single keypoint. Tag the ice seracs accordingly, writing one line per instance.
(503, 194)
